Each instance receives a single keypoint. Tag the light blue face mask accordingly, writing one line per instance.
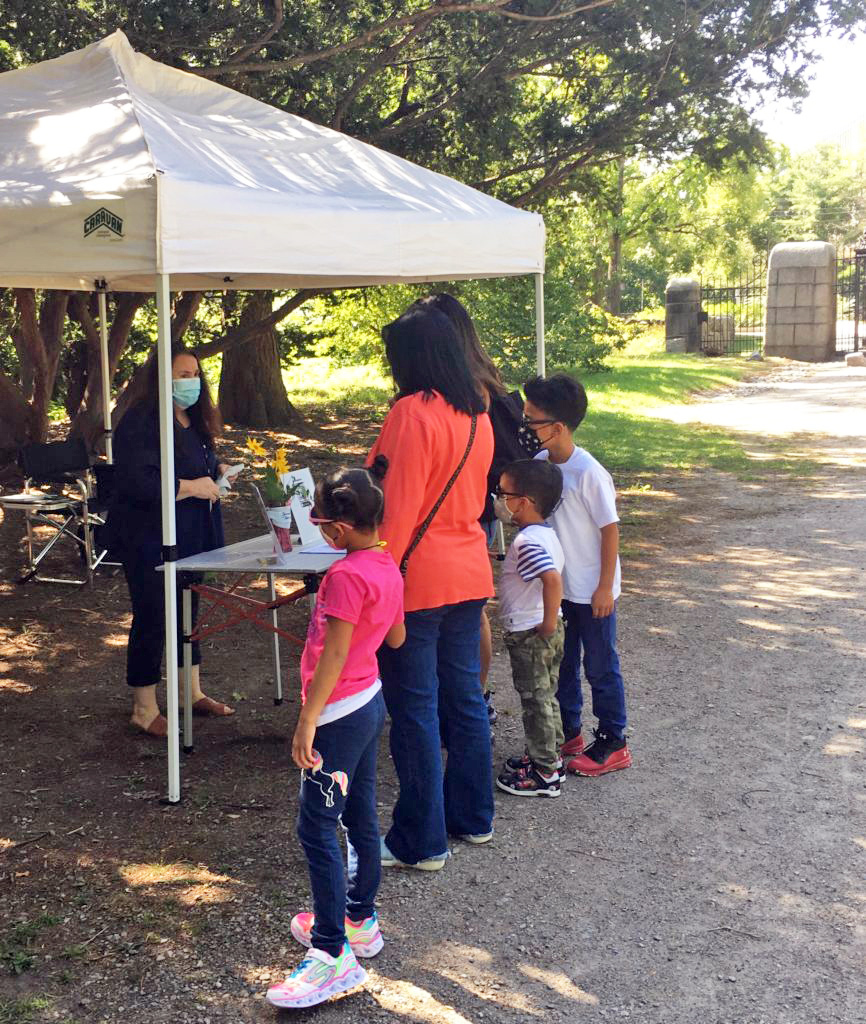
(185, 391)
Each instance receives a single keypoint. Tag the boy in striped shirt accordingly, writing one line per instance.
(530, 593)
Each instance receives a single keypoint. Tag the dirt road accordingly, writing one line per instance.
(721, 880)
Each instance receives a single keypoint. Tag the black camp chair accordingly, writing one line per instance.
(74, 510)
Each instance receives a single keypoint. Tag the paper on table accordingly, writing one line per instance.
(323, 548)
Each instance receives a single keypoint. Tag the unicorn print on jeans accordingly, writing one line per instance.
(327, 780)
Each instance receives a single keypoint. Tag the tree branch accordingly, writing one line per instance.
(184, 313)
(436, 10)
(239, 335)
(275, 26)
(382, 61)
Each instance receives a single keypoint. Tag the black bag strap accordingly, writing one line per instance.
(422, 529)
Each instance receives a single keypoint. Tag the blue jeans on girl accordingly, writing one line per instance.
(432, 689)
(597, 639)
(327, 799)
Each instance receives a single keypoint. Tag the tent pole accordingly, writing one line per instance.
(106, 383)
(539, 324)
(169, 536)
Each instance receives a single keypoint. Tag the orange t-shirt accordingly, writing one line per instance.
(424, 440)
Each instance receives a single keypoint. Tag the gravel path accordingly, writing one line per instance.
(718, 881)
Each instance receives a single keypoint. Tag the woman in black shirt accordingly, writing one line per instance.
(135, 523)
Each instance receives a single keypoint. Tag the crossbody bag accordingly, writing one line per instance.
(422, 529)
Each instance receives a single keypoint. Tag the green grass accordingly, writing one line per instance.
(21, 1011)
(619, 433)
(314, 383)
(617, 429)
(16, 944)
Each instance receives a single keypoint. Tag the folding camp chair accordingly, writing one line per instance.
(73, 512)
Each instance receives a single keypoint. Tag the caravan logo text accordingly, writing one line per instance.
(109, 222)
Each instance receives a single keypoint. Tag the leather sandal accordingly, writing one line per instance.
(158, 727)
(210, 708)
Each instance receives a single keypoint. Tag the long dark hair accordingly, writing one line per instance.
(481, 366)
(204, 415)
(425, 355)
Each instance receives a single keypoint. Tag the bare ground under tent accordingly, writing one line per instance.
(719, 880)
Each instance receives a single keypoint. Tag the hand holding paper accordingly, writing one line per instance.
(225, 481)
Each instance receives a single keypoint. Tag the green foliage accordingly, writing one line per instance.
(22, 1011)
(16, 945)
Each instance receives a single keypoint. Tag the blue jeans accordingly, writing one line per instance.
(597, 638)
(348, 746)
(430, 683)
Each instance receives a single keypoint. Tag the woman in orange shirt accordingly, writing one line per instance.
(431, 684)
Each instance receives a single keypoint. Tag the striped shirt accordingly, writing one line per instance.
(533, 552)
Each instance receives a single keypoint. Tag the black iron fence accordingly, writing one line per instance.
(851, 298)
(733, 313)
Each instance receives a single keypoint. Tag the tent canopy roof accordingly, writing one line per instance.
(114, 167)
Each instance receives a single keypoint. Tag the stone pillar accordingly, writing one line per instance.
(801, 301)
(682, 315)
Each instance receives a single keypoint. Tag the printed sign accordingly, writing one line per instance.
(302, 503)
(103, 224)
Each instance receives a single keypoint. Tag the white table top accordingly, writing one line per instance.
(257, 555)
(32, 500)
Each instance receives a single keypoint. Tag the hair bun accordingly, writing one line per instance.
(379, 467)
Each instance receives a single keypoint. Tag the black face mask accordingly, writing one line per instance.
(528, 440)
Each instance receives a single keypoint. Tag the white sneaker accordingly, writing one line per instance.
(316, 978)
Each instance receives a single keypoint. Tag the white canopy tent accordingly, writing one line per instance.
(118, 173)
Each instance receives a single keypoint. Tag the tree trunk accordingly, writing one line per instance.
(42, 337)
(252, 393)
(614, 272)
(87, 416)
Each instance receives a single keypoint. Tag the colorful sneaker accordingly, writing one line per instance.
(365, 939)
(515, 764)
(572, 747)
(529, 782)
(605, 754)
(491, 710)
(316, 978)
(428, 864)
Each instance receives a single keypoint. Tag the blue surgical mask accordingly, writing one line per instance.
(185, 391)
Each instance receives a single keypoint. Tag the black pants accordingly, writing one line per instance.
(147, 633)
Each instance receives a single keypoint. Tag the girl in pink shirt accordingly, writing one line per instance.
(358, 607)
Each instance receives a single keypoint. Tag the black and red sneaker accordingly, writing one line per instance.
(607, 753)
(529, 782)
(523, 761)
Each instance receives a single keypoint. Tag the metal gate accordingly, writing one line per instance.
(733, 313)
(851, 298)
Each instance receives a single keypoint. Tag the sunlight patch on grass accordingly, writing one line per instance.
(316, 382)
(617, 429)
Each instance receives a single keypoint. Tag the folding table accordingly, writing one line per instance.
(254, 557)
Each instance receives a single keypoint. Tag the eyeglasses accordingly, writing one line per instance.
(499, 493)
(537, 423)
(318, 520)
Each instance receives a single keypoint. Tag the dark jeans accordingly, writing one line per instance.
(430, 683)
(342, 791)
(147, 633)
(597, 638)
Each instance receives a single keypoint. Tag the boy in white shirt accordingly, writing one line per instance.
(586, 524)
(530, 592)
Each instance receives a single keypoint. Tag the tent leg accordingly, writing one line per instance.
(169, 536)
(539, 324)
(106, 383)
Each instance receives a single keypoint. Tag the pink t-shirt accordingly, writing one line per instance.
(366, 589)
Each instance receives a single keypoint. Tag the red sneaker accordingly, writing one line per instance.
(573, 746)
(605, 754)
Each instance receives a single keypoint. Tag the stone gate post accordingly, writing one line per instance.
(682, 315)
(801, 301)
